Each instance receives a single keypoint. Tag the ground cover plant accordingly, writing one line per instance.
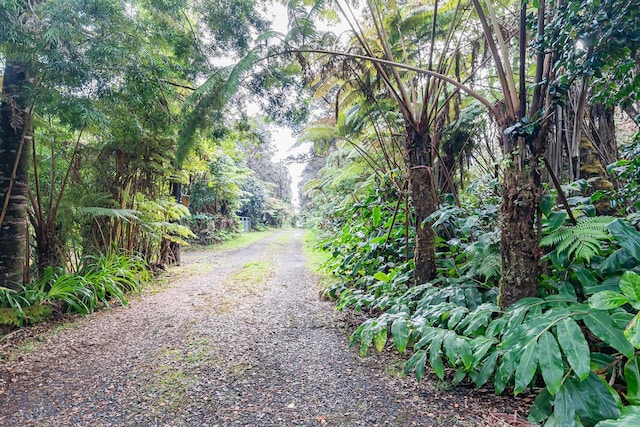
(100, 280)
(574, 345)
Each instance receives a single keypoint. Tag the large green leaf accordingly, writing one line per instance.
(627, 236)
(632, 331)
(366, 336)
(380, 338)
(464, 351)
(419, 366)
(434, 356)
(574, 346)
(591, 399)
(550, 362)
(621, 318)
(480, 346)
(381, 276)
(450, 348)
(400, 333)
(615, 262)
(504, 372)
(632, 378)
(411, 363)
(630, 285)
(377, 215)
(601, 324)
(487, 369)
(526, 368)
(563, 409)
(629, 417)
(606, 300)
(585, 277)
(542, 407)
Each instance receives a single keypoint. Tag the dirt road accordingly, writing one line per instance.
(234, 339)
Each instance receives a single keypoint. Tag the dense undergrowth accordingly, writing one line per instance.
(100, 280)
(574, 345)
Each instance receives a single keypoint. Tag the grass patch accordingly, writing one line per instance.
(285, 237)
(251, 276)
(249, 280)
(316, 257)
(174, 273)
(241, 241)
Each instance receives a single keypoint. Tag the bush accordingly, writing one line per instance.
(100, 279)
(576, 341)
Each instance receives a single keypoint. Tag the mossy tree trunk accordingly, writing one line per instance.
(520, 248)
(15, 137)
(422, 189)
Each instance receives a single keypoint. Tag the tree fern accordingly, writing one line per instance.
(211, 97)
(126, 215)
(582, 241)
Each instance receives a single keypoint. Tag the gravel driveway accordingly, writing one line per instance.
(234, 339)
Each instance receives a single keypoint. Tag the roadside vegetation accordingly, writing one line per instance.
(473, 172)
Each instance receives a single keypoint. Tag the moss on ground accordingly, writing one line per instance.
(250, 280)
(31, 315)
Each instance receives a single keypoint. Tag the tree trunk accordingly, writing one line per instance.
(175, 250)
(520, 248)
(47, 249)
(597, 150)
(603, 130)
(15, 123)
(633, 113)
(423, 197)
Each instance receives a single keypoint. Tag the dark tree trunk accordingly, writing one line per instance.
(47, 248)
(174, 249)
(520, 248)
(15, 123)
(423, 197)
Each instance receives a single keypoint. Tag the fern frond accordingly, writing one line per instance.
(119, 214)
(490, 267)
(581, 241)
(210, 97)
(317, 133)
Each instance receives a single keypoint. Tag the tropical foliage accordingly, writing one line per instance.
(97, 97)
(536, 260)
(474, 171)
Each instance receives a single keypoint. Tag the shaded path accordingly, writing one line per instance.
(237, 339)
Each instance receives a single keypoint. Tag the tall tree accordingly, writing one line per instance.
(15, 141)
(425, 42)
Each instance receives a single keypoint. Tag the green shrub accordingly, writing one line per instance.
(100, 279)
(575, 339)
